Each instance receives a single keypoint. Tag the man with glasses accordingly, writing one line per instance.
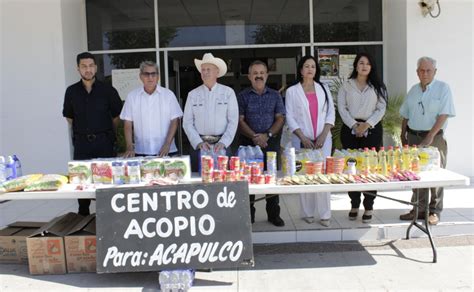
(92, 108)
(425, 112)
(151, 113)
(211, 114)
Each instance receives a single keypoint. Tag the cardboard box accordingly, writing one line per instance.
(81, 246)
(13, 241)
(46, 245)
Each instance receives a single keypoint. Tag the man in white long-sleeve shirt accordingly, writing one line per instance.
(211, 113)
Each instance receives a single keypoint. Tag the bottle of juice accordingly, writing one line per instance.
(365, 169)
(406, 158)
(373, 160)
(383, 164)
(415, 160)
(391, 159)
(381, 155)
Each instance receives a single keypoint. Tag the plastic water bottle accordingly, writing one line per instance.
(250, 154)
(18, 170)
(259, 157)
(10, 168)
(3, 170)
(242, 157)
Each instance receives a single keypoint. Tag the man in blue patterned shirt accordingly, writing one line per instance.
(261, 117)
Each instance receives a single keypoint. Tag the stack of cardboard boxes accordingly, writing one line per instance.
(65, 244)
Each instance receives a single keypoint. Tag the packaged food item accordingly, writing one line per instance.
(270, 178)
(118, 172)
(289, 162)
(175, 167)
(218, 175)
(272, 162)
(48, 182)
(230, 176)
(101, 172)
(206, 177)
(19, 183)
(132, 171)
(151, 169)
(80, 172)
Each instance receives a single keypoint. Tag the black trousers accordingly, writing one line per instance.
(102, 146)
(350, 141)
(273, 201)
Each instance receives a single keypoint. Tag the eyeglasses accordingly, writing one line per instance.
(422, 107)
(149, 74)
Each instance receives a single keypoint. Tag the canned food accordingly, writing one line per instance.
(230, 175)
(206, 177)
(222, 162)
(259, 179)
(234, 163)
(246, 178)
(248, 170)
(218, 175)
(269, 179)
(207, 164)
(255, 170)
(310, 167)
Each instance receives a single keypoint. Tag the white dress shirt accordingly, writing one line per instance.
(151, 115)
(298, 115)
(211, 112)
(352, 104)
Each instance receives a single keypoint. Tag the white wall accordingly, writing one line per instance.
(33, 75)
(448, 39)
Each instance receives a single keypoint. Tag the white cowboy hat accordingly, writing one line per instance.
(208, 58)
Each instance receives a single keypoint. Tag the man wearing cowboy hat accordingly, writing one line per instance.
(211, 113)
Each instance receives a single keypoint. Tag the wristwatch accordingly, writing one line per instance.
(269, 134)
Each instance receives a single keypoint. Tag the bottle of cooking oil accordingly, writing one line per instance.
(415, 160)
(391, 165)
(406, 158)
(373, 160)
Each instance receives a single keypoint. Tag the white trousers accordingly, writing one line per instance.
(310, 202)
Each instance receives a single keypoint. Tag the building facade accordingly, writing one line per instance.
(40, 40)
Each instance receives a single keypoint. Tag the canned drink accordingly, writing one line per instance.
(234, 163)
(269, 179)
(206, 177)
(218, 175)
(272, 162)
(230, 175)
(207, 164)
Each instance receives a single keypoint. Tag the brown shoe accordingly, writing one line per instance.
(433, 219)
(410, 215)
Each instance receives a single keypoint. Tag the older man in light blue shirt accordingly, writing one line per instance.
(425, 112)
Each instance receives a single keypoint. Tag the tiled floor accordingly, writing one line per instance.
(457, 218)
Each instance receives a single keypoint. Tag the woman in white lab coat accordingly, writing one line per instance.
(310, 116)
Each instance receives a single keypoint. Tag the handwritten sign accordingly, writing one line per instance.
(172, 227)
(126, 80)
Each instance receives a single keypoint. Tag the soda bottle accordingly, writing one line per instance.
(406, 158)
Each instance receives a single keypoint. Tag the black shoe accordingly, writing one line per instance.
(84, 212)
(277, 221)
